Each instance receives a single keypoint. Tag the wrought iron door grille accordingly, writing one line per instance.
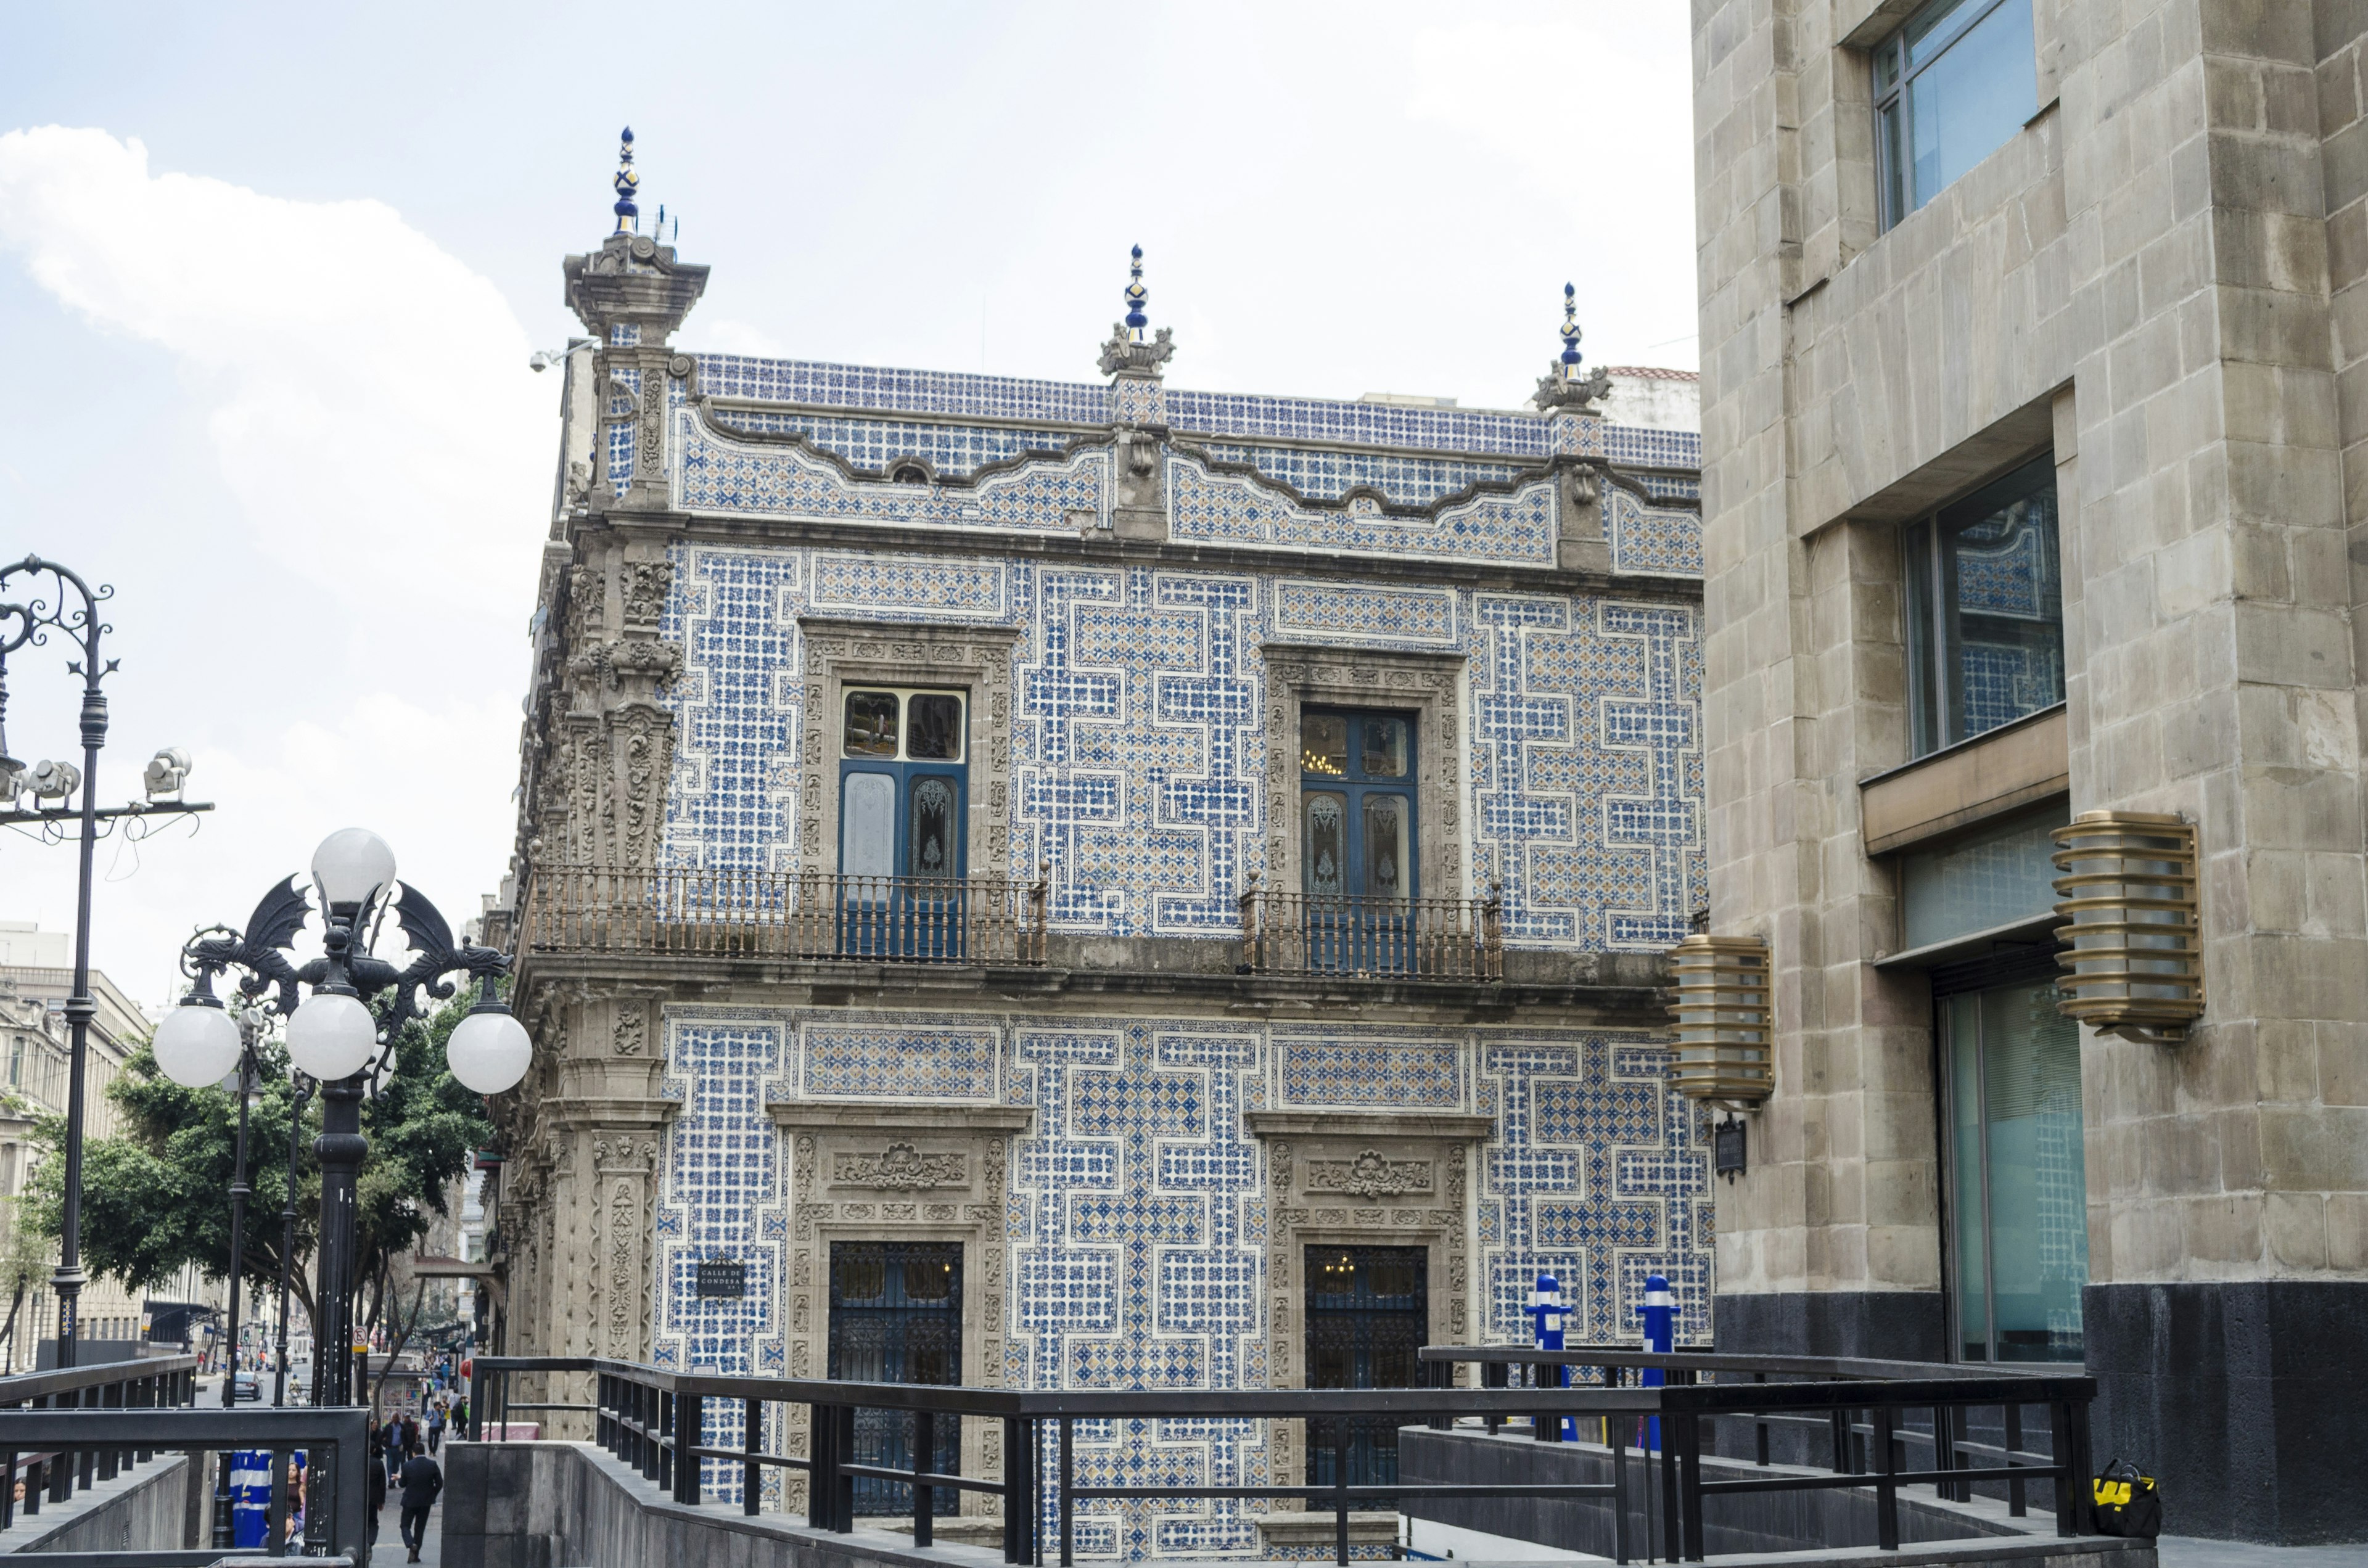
(1368, 1315)
(895, 1317)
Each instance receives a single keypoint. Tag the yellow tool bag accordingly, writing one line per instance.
(2125, 1503)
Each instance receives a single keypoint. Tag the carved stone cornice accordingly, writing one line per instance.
(901, 1116)
(1353, 1124)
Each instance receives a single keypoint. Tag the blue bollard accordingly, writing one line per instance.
(1545, 1307)
(1660, 1315)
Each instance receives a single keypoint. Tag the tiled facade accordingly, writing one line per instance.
(1134, 1140)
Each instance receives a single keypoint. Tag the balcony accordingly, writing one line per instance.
(979, 922)
(784, 914)
(1412, 938)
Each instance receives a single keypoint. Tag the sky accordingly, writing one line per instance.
(270, 277)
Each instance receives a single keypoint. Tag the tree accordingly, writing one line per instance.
(156, 1197)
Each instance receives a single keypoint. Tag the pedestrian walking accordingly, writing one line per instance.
(377, 1505)
(421, 1480)
(435, 1426)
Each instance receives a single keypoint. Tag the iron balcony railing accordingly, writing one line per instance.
(1419, 939)
(784, 914)
(657, 1421)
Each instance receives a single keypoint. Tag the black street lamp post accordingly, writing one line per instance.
(287, 1230)
(31, 620)
(341, 1042)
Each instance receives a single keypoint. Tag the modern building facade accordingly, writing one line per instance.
(2030, 335)
(1047, 884)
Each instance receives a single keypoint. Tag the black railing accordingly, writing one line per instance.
(69, 1430)
(656, 1421)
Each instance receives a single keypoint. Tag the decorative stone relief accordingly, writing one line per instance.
(900, 1166)
(1369, 1175)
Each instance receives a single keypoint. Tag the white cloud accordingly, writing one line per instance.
(381, 442)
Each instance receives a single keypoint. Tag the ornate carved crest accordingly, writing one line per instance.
(1369, 1175)
(900, 1167)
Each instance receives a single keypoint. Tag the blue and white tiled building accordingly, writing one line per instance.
(1152, 857)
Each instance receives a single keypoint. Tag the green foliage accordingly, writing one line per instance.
(157, 1197)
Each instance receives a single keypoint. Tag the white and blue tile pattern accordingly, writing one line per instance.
(1136, 1213)
(1138, 746)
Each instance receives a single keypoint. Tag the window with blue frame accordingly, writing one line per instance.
(904, 779)
(1357, 805)
(1985, 610)
(1951, 85)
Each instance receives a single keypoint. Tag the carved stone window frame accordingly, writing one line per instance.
(1429, 686)
(843, 1186)
(1301, 1147)
(974, 659)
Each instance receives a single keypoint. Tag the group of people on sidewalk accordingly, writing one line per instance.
(406, 1461)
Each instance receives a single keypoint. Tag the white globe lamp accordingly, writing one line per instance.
(197, 1044)
(352, 866)
(331, 1036)
(489, 1050)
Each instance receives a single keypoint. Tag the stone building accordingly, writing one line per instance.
(1035, 882)
(36, 1045)
(2031, 336)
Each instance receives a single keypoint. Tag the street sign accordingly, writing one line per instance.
(724, 1278)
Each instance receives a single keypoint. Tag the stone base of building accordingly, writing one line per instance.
(1896, 1326)
(2245, 1401)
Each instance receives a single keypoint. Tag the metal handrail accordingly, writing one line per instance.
(784, 914)
(1419, 939)
(653, 1419)
(64, 1431)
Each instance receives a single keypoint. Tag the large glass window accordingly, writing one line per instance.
(1356, 774)
(1950, 87)
(2017, 1190)
(902, 775)
(1985, 611)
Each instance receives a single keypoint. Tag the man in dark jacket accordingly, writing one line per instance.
(377, 1500)
(422, 1479)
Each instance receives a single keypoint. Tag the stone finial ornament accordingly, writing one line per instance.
(1562, 386)
(629, 217)
(1129, 350)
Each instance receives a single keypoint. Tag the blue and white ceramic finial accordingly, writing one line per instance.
(629, 217)
(1570, 329)
(1135, 296)
(1562, 386)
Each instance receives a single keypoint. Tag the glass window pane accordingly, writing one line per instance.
(1960, 1024)
(1384, 749)
(2009, 610)
(934, 828)
(934, 727)
(1323, 743)
(871, 727)
(2038, 1186)
(1985, 611)
(1977, 92)
(1991, 879)
(1386, 869)
(866, 825)
(1327, 849)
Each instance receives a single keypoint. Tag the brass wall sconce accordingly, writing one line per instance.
(1725, 1019)
(2133, 949)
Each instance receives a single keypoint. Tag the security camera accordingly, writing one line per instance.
(544, 361)
(56, 780)
(167, 771)
(12, 779)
